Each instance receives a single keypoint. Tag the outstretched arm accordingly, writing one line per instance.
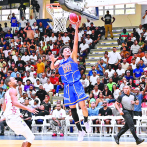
(13, 94)
(75, 47)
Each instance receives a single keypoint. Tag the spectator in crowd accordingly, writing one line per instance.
(43, 80)
(115, 92)
(110, 71)
(120, 71)
(40, 68)
(107, 92)
(128, 76)
(93, 111)
(115, 78)
(101, 66)
(27, 116)
(93, 68)
(93, 80)
(31, 20)
(28, 78)
(141, 64)
(30, 33)
(124, 64)
(84, 48)
(46, 103)
(124, 36)
(114, 58)
(110, 84)
(135, 47)
(100, 85)
(54, 80)
(1, 95)
(13, 74)
(139, 95)
(58, 118)
(105, 111)
(139, 30)
(41, 93)
(108, 24)
(27, 86)
(137, 72)
(95, 91)
(85, 82)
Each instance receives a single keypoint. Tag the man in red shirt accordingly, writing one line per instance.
(129, 58)
(54, 80)
(55, 51)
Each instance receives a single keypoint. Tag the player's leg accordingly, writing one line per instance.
(77, 122)
(85, 114)
(29, 138)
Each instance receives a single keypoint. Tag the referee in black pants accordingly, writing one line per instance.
(127, 99)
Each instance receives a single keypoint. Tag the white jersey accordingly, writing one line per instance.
(10, 109)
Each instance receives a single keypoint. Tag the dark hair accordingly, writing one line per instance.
(36, 101)
(62, 49)
(7, 80)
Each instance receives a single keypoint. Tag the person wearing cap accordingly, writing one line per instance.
(92, 70)
(93, 111)
(128, 76)
(108, 24)
(139, 95)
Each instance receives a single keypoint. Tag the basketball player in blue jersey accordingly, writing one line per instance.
(73, 89)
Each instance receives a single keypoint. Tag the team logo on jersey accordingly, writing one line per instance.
(66, 67)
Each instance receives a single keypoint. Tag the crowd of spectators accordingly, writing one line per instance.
(25, 55)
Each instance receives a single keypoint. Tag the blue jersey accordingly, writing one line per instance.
(13, 22)
(68, 69)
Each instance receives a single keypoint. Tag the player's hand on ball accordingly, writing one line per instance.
(33, 111)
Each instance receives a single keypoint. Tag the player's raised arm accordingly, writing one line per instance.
(13, 94)
(75, 47)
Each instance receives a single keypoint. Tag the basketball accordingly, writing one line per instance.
(74, 18)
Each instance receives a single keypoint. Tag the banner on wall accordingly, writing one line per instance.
(3, 2)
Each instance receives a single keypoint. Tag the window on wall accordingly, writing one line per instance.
(4, 14)
(118, 9)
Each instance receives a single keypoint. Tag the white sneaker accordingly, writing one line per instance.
(57, 94)
(81, 135)
(88, 128)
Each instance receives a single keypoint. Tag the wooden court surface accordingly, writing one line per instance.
(45, 143)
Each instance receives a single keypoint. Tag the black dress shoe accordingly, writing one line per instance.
(116, 139)
(139, 141)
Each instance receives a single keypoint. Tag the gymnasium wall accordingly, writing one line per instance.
(121, 20)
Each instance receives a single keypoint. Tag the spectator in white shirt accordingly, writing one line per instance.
(37, 84)
(25, 57)
(53, 38)
(32, 72)
(33, 57)
(93, 79)
(110, 71)
(135, 47)
(88, 31)
(34, 27)
(88, 40)
(35, 78)
(43, 80)
(23, 98)
(31, 20)
(133, 64)
(58, 119)
(46, 38)
(125, 65)
(139, 30)
(20, 85)
(114, 58)
(84, 48)
(23, 22)
(27, 77)
(136, 58)
(15, 57)
(48, 87)
(66, 39)
(88, 23)
(85, 82)
(145, 58)
(145, 20)
(120, 71)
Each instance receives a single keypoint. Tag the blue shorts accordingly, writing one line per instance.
(74, 93)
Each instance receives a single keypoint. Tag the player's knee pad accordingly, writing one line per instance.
(74, 114)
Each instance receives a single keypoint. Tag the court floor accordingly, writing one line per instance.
(48, 141)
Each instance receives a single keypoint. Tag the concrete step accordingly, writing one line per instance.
(106, 48)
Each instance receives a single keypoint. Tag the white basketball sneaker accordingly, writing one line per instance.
(88, 128)
(81, 135)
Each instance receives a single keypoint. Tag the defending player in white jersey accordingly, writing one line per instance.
(12, 113)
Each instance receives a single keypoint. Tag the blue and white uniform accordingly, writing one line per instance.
(70, 76)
